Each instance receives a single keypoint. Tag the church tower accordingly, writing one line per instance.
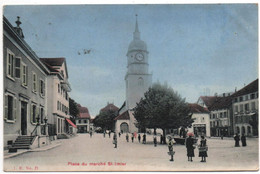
(137, 78)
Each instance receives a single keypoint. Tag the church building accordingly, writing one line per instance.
(137, 80)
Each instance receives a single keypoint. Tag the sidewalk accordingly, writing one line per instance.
(21, 151)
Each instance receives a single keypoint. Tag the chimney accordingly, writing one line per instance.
(17, 28)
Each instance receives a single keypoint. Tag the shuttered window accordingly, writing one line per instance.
(18, 67)
(10, 107)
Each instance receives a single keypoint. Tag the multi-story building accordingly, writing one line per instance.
(245, 107)
(201, 124)
(221, 118)
(58, 89)
(83, 120)
(24, 86)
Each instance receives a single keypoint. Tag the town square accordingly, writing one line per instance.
(141, 87)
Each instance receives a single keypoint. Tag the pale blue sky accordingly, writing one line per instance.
(192, 47)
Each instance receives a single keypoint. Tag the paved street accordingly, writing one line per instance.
(83, 153)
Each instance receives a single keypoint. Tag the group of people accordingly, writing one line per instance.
(237, 139)
(190, 146)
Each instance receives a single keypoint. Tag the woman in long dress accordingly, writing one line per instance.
(190, 147)
(203, 149)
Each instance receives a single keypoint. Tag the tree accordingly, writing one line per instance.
(162, 107)
(105, 120)
(74, 110)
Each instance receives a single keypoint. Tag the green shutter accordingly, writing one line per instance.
(15, 108)
(31, 113)
(6, 106)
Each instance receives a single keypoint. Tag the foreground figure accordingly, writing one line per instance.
(170, 146)
(203, 148)
(190, 147)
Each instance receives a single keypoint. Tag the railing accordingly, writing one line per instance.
(34, 130)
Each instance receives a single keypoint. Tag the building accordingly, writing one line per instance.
(58, 89)
(109, 107)
(24, 88)
(245, 107)
(137, 79)
(201, 124)
(83, 120)
(221, 117)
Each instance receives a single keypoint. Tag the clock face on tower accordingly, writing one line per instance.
(139, 57)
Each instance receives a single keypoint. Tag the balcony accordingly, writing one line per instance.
(65, 84)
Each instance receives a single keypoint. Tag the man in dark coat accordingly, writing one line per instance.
(115, 140)
(237, 139)
(139, 137)
(243, 140)
(190, 148)
(144, 139)
(127, 137)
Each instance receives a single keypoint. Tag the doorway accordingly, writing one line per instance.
(24, 118)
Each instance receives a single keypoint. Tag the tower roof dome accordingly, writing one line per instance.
(137, 43)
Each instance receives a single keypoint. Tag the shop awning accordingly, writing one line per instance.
(71, 123)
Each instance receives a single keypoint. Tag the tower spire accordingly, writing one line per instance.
(136, 33)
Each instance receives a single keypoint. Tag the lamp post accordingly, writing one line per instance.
(46, 125)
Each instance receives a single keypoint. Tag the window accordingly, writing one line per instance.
(241, 108)
(225, 114)
(211, 124)
(236, 108)
(33, 113)
(85, 121)
(24, 75)
(18, 67)
(235, 100)
(246, 107)
(58, 105)
(10, 64)
(140, 81)
(79, 121)
(253, 106)
(10, 107)
(241, 98)
(221, 115)
(34, 82)
(252, 96)
(42, 88)
(246, 97)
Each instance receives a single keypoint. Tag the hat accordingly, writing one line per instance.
(190, 134)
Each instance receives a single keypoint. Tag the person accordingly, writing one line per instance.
(90, 133)
(144, 139)
(203, 149)
(243, 140)
(190, 147)
(132, 137)
(127, 137)
(104, 134)
(119, 134)
(139, 137)
(155, 140)
(170, 147)
(221, 136)
(135, 135)
(109, 133)
(161, 139)
(237, 139)
(115, 140)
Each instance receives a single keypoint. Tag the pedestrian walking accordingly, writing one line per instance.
(90, 133)
(155, 140)
(127, 137)
(161, 139)
(119, 134)
(144, 139)
(190, 147)
(132, 137)
(115, 140)
(170, 147)
(104, 134)
(139, 137)
(203, 148)
(135, 135)
(109, 133)
(237, 139)
(243, 140)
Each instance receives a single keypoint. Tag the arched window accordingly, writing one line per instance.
(238, 130)
(243, 130)
(124, 127)
(248, 129)
(140, 81)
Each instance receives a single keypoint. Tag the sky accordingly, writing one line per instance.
(194, 48)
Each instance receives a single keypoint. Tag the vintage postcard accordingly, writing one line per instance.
(130, 87)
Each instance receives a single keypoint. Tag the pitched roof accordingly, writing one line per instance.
(196, 108)
(250, 88)
(221, 103)
(123, 116)
(109, 107)
(83, 112)
(209, 100)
